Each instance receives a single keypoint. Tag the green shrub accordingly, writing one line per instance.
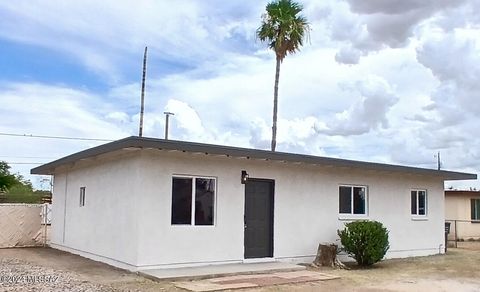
(365, 241)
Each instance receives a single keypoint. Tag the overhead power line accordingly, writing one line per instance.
(55, 137)
(26, 162)
(21, 157)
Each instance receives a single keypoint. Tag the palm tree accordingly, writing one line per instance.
(284, 30)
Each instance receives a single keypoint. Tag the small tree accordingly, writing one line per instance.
(365, 241)
(6, 178)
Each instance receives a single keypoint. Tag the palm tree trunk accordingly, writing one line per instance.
(275, 105)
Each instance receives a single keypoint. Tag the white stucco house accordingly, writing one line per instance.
(143, 203)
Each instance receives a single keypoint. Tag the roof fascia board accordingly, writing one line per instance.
(140, 142)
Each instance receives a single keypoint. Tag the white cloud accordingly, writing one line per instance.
(348, 55)
(187, 121)
(101, 34)
(372, 25)
(394, 7)
(367, 113)
(32, 108)
(118, 117)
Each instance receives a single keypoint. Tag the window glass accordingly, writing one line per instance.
(475, 203)
(204, 201)
(181, 200)
(82, 196)
(345, 200)
(422, 202)
(358, 200)
(413, 200)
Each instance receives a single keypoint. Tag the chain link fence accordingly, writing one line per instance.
(460, 231)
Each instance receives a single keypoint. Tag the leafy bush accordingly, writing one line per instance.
(365, 241)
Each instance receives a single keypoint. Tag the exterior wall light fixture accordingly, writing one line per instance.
(244, 176)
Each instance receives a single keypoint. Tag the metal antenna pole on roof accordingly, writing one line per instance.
(142, 106)
(167, 116)
(439, 161)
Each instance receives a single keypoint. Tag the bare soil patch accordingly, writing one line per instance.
(471, 245)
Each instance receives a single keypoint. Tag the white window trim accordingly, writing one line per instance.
(192, 215)
(351, 216)
(417, 217)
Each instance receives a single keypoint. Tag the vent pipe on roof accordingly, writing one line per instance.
(439, 162)
(167, 116)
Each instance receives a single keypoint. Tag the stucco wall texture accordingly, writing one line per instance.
(126, 218)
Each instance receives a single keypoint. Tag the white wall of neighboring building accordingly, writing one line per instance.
(127, 217)
(458, 207)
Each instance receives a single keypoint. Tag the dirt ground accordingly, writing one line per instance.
(456, 271)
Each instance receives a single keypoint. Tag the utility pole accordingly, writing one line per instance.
(142, 106)
(167, 116)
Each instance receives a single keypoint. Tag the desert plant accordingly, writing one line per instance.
(365, 241)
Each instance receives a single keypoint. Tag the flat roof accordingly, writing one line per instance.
(142, 142)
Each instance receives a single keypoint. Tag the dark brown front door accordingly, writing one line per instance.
(259, 218)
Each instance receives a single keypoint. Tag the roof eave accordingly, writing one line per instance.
(49, 168)
(450, 175)
(140, 142)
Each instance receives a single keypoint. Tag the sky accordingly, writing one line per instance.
(390, 81)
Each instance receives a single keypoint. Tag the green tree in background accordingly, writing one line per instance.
(284, 29)
(16, 188)
(21, 186)
(6, 178)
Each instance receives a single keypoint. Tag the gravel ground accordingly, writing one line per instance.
(46, 269)
(18, 275)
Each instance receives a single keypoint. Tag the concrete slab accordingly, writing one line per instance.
(252, 281)
(212, 271)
